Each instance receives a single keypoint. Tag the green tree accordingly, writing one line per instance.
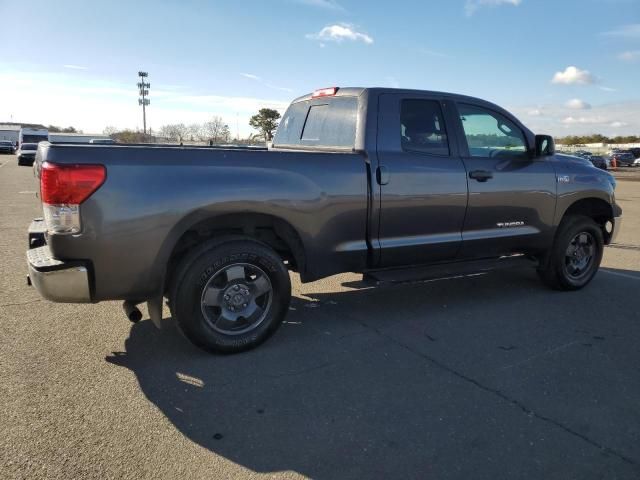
(266, 121)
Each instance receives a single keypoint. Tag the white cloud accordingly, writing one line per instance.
(328, 4)
(258, 79)
(573, 76)
(340, 32)
(74, 67)
(582, 120)
(608, 119)
(473, 5)
(577, 104)
(629, 56)
(607, 89)
(433, 53)
(625, 31)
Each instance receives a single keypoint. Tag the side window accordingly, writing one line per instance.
(422, 127)
(490, 134)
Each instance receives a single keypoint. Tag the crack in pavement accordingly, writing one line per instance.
(503, 396)
(20, 303)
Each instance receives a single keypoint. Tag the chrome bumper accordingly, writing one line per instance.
(56, 280)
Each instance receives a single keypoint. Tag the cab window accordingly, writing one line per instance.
(422, 127)
(490, 134)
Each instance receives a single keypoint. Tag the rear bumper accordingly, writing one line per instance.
(56, 280)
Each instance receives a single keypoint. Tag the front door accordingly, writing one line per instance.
(422, 182)
(512, 195)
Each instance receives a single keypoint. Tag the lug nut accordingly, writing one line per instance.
(226, 297)
(244, 305)
(236, 287)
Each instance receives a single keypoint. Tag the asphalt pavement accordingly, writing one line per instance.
(485, 377)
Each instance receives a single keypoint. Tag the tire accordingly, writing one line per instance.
(575, 256)
(229, 295)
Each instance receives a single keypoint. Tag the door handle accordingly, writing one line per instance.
(480, 175)
(382, 175)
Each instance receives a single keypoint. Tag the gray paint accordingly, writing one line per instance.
(429, 210)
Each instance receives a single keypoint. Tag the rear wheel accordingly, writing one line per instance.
(230, 295)
(575, 256)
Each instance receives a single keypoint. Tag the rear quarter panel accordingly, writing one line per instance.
(153, 195)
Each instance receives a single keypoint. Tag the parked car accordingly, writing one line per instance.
(102, 141)
(599, 161)
(26, 153)
(395, 184)
(583, 153)
(6, 146)
(625, 159)
(635, 152)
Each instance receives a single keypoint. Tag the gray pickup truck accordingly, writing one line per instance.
(395, 184)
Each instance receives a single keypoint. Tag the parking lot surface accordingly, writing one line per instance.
(485, 377)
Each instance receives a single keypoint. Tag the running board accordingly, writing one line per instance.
(447, 270)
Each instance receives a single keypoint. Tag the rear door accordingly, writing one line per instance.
(422, 181)
(512, 195)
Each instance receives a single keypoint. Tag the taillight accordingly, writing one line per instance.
(324, 92)
(62, 189)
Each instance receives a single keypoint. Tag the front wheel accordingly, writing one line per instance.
(230, 296)
(575, 256)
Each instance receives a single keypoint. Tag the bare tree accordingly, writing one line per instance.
(175, 131)
(110, 131)
(194, 132)
(216, 130)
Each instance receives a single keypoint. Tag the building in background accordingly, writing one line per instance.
(75, 137)
(10, 132)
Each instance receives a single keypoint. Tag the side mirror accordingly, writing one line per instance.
(545, 145)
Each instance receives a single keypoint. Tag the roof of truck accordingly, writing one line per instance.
(356, 91)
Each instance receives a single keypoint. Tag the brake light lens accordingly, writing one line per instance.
(69, 183)
(62, 189)
(324, 92)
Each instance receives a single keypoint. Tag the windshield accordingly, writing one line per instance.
(29, 146)
(34, 138)
(3, 142)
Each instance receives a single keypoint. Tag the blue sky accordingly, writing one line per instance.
(563, 66)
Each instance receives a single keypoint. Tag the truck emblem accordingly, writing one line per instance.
(519, 223)
(564, 179)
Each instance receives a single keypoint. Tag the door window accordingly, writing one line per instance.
(490, 134)
(422, 127)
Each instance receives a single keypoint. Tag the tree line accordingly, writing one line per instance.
(213, 131)
(596, 138)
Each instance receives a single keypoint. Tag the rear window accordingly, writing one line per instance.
(29, 147)
(324, 122)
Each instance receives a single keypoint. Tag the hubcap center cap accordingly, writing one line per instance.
(236, 297)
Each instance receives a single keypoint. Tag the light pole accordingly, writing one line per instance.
(143, 100)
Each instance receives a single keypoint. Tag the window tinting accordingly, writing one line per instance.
(327, 122)
(422, 127)
(490, 134)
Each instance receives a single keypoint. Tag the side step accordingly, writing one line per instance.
(448, 270)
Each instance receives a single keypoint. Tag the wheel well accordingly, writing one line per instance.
(275, 232)
(597, 209)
